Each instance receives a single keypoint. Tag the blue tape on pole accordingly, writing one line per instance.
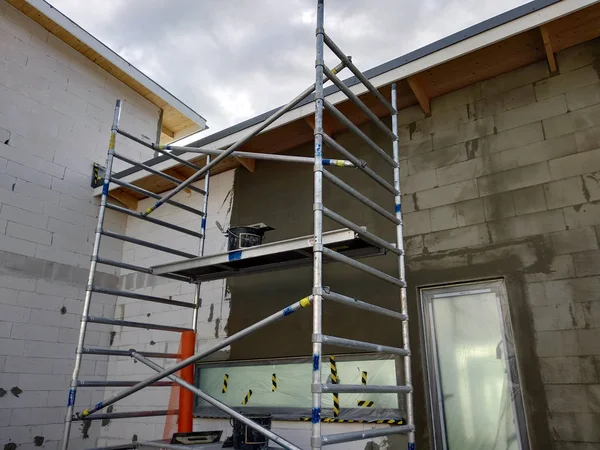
(234, 256)
(318, 150)
(316, 415)
(105, 188)
(98, 405)
(411, 446)
(71, 400)
(287, 311)
(203, 224)
(326, 162)
(398, 208)
(315, 362)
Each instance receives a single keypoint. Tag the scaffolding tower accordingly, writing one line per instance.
(344, 246)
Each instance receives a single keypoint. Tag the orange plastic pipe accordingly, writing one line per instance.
(186, 398)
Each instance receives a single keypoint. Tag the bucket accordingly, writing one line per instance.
(242, 237)
(245, 438)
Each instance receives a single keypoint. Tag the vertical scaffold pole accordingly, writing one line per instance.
(90, 282)
(202, 241)
(403, 300)
(318, 233)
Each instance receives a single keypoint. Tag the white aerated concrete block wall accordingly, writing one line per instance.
(213, 313)
(56, 110)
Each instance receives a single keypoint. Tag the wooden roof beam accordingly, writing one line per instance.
(181, 177)
(548, 48)
(166, 131)
(310, 120)
(247, 163)
(417, 86)
(124, 198)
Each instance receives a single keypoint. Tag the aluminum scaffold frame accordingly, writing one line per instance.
(321, 252)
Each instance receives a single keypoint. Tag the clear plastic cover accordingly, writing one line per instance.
(283, 387)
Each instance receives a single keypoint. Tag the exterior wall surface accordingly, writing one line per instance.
(56, 109)
(501, 181)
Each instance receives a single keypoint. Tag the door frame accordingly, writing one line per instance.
(431, 371)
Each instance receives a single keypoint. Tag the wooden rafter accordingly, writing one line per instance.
(181, 177)
(418, 89)
(247, 163)
(125, 198)
(548, 48)
(164, 130)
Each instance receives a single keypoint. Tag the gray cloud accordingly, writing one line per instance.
(233, 59)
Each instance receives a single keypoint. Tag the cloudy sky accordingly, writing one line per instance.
(233, 59)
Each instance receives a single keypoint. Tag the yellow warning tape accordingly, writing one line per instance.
(305, 302)
(334, 380)
(364, 378)
(111, 143)
(339, 163)
(379, 421)
(225, 381)
(273, 383)
(365, 403)
(247, 397)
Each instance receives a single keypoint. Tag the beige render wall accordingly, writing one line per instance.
(503, 180)
(56, 109)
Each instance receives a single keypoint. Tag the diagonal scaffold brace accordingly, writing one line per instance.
(276, 115)
(303, 303)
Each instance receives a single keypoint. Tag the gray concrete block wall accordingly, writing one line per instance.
(499, 182)
(55, 114)
(528, 178)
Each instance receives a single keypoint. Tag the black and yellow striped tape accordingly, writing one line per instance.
(247, 397)
(364, 378)
(225, 381)
(273, 383)
(334, 380)
(379, 421)
(365, 403)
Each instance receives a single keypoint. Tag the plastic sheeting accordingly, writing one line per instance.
(251, 387)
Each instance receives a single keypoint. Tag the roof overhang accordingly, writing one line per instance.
(178, 119)
(504, 43)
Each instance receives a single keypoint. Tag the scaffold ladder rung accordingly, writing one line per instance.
(360, 345)
(132, 324)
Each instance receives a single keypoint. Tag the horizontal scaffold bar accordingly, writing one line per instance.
(139, 190)
(361, 165)
(364, 389)
(357, 73)
(360, 197)
(115, 352)
(132, 324)
(360, 266)
(149, 169)
(345, 300)
(361, 231)
(350, 125)
(128, 414)
(366, 434)
(160, 223)
(358, 102)
(148, 298)
(147, 244)
(360, 345)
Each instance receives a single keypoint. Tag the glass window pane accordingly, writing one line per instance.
(471, 370)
